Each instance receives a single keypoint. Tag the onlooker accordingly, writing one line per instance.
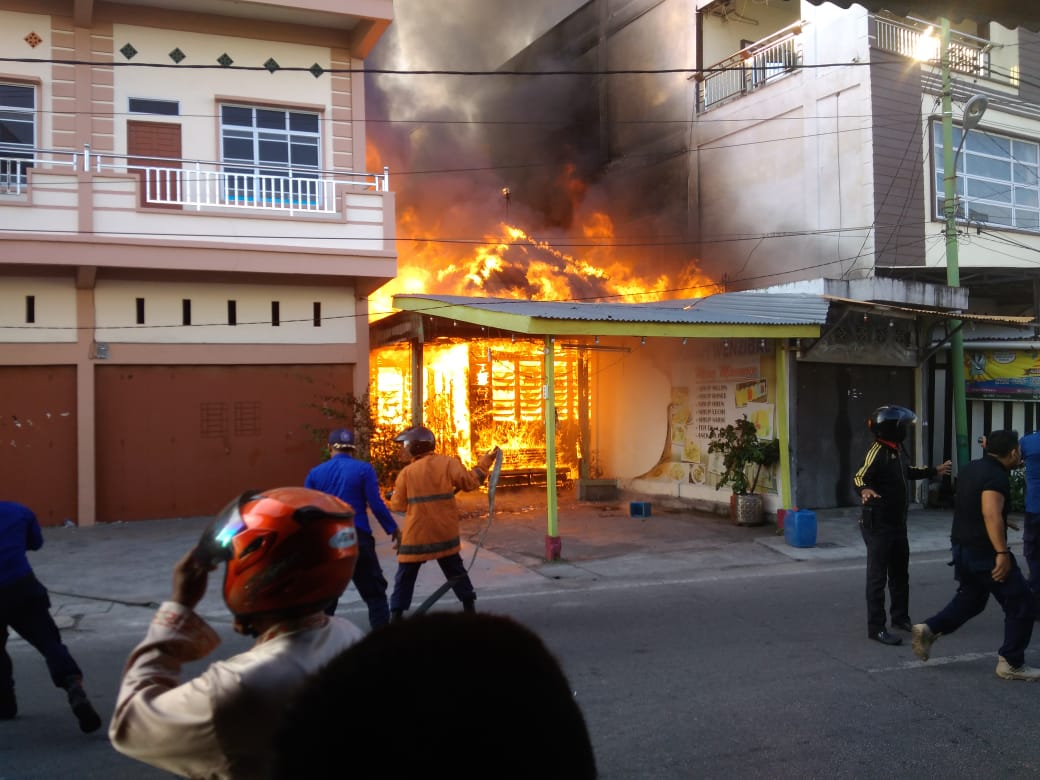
(1030, 446)
(355, 482)
(25, 607)
(882, 485)
(425, 490)
(983, 564)
(288, 553)
(420, 691)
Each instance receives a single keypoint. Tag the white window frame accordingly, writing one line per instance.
(259, 182)
(998, 179)
(13, 171)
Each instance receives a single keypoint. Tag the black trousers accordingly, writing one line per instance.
(369, 580)
(25, 607)
(454, 570)
(888, 564)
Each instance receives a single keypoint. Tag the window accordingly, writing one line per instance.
(17, 135)
(276, 313)
(317, 314)
(140, 310)
(272, 155)
(997, 179)
(186, 311)
(30, 308)
(232, 313)
(147, 106)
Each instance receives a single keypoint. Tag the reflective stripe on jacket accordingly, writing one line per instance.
(425, 492)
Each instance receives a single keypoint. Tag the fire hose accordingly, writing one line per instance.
(432, 599)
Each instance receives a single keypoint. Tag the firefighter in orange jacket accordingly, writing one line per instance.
(425, 491)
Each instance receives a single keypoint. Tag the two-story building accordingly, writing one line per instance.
(188, 235)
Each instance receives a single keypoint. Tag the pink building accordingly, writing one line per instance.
(188, 236)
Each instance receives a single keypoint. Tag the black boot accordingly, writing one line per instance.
(84, 711)
(469, 606)
(396, 615)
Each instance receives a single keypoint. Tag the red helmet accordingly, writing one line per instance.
(284, 548)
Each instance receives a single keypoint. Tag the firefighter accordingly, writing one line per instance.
(425, 491)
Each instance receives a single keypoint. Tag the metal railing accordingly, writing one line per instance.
(752, 67)
(918, 40)
(198, 184)
(16, 161)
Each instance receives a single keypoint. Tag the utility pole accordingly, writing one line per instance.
(953, 274)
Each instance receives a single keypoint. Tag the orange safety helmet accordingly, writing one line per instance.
(284, 548)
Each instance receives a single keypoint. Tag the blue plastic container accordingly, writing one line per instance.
(639, 508)
(800, 528)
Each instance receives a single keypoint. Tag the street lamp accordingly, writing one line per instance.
(973, 111)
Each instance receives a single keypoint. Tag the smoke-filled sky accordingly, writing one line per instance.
(453, 144)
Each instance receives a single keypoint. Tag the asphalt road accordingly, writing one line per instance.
(728, 671)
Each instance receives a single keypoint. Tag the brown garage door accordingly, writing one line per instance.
(38, 440)
(180, 441)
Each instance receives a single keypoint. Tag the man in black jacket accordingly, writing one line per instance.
(882, 483)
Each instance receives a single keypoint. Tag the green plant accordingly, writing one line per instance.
(375, 441)
(740, 447)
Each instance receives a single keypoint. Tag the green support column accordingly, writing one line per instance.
(953, 274)
(553, 544)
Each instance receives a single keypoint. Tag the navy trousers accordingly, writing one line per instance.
(369, 580)
(454, 570)
(972, 568)
(888, 564)
(25, 607)
(1031, 552)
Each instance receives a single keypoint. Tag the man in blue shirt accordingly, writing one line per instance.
(355, 482)
(25, 607)
(1030, 446)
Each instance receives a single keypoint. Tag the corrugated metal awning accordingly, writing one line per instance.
(1008, 13)
(943, 314)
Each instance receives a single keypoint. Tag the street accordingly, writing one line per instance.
(735, 670)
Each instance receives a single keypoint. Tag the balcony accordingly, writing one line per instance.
(68, 192)
(751, 68)
(918, 40)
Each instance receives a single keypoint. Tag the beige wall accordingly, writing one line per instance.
(55, 303)
(116, 313)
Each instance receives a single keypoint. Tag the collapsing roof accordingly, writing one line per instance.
(726, 314)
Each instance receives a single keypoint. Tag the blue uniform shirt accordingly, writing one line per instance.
(1030, 447)
(19, 532)
(355, 482)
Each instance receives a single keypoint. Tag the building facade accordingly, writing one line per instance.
(188, 235)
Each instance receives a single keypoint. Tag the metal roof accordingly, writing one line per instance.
(1008, 13)
(735, 313)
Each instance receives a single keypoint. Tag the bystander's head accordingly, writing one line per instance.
(464, 695)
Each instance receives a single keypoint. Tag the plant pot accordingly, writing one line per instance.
(747, 509)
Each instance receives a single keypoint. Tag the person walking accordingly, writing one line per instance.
(287, 553)
(882, 483)
(425, 491)
(25, 607)
(982, 563)
(355, 482)
(1030, 447)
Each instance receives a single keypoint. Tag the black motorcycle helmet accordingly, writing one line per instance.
(891, 422)
(417, 440)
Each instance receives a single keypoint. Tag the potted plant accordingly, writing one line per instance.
(740, 447)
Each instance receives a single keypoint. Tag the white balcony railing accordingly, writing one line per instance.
(752, 67)
(198, 185)
(919, 41)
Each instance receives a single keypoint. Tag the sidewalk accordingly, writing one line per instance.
(120, 571)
